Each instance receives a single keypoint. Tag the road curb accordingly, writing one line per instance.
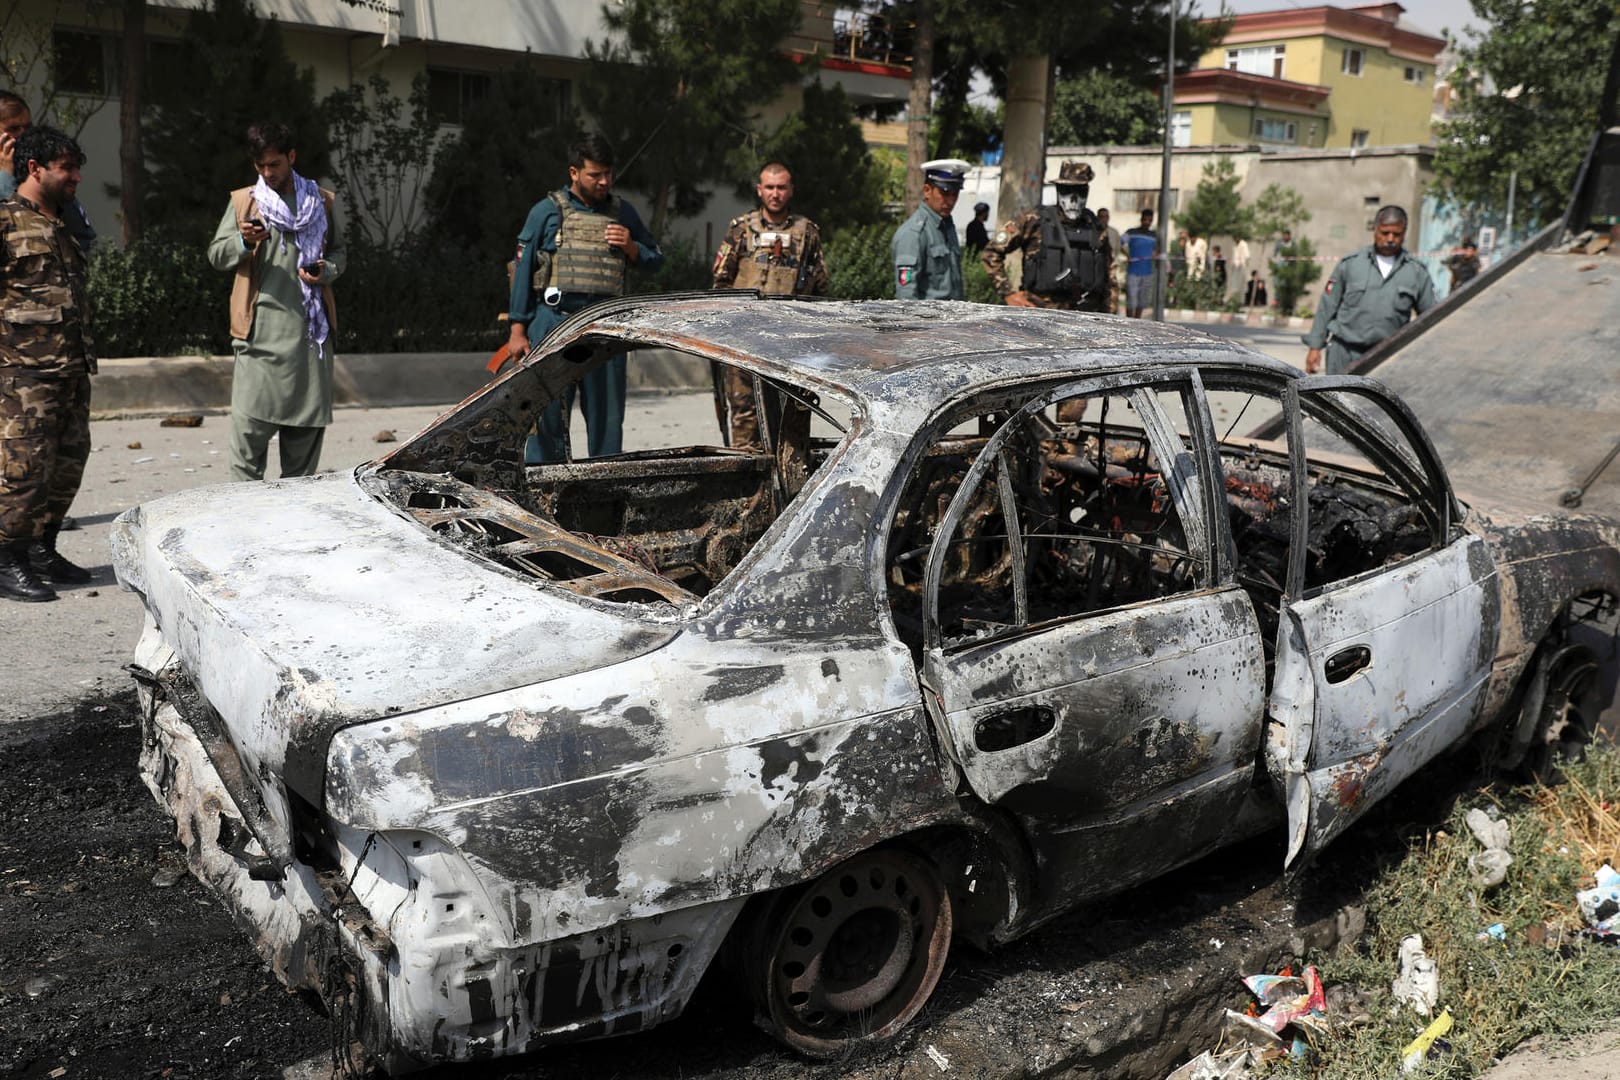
(150, 386)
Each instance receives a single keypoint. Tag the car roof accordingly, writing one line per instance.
(876, 349)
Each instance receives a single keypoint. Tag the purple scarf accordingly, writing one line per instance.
(309, 235)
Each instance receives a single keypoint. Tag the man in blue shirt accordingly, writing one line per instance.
(1141, 245)
(574, 251)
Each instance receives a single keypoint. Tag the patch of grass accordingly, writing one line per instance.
(1543, 980)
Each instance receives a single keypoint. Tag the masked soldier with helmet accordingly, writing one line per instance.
(1067, 257)
(777, 252)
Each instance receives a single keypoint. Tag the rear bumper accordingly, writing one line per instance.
(397, 939)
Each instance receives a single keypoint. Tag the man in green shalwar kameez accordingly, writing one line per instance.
(280, 240)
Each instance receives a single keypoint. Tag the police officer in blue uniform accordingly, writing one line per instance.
(927, 254)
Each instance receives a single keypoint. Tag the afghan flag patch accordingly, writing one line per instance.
(1330, 284)
(908, 274)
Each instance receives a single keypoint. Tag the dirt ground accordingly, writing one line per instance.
(115, 963)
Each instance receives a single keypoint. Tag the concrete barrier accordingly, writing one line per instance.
(147, 386)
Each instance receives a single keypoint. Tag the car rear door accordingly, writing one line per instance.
(1091, 664)
(1381, 669)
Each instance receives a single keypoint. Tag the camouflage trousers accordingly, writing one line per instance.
(734, 402)
(44, 443)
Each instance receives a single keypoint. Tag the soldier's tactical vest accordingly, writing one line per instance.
(774, 257)
(1071, 259)
(583, 263)
(44, 303)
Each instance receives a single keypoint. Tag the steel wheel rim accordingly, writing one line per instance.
(857, 954)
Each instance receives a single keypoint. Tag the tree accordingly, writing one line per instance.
(1096, 108)
(674, 85)
(1216, 208)
(238, 74)
(28, 68)
(1276, 209)
(382, 154)
(1292, 273)
(922, 85)
(835, 181)
(1527, 100)
(511, 152)
(131, 153)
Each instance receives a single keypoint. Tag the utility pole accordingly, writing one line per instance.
(1159, 284)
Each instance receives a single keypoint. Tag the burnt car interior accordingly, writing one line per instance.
(1096, 528)
(654, 525)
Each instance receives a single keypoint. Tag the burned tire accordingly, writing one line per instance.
(850, 959)
(1566, 715)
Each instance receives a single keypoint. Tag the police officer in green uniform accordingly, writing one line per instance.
(777, 252)
(46, 360)
(574, 251)
(927, 254)
(1370, 295)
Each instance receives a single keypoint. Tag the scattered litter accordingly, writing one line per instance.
(136, 445)
(1489, 868)
(173, 453)
(1291, 999)
(182, 420)
(935, 1056)
(1601, 905)
(1418, 983)
(384, 436)
(1586, 266)
(1217, 944)
(1427, 1044)
(144, 460)
(188, 469)
(59, 1071)
(1493, 932)
(1232, 1065)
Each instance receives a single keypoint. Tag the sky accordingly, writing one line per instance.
(1430, 15)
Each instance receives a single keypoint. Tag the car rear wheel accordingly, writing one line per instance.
(1567, 714)
(850, 959)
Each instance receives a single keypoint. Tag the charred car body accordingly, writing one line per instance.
(996, 621)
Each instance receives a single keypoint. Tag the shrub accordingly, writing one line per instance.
(859, 264)
(158, 297)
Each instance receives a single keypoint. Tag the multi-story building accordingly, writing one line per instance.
(1312, 78)
(65, 54)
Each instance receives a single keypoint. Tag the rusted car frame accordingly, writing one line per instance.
(493, 756)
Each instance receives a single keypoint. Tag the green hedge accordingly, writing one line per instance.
(158, 298)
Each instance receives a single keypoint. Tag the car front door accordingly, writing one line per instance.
(1389, 624)
(1092, 666)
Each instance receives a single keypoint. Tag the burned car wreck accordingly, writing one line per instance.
(995, 621)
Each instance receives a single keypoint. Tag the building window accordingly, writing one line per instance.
(1265, 60)
(85, 63)
(1358, 138)
(1350, 63)
(1181, 129)
(1414, 75)
(1132, 201)
(1275, 131)
(452, 94)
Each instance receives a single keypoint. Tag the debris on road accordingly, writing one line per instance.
(136, 445)
(182, 420)
(385, 436)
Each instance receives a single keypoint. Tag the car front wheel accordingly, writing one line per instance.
(850, 959)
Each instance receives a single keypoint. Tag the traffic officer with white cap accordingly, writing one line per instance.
(927, 254)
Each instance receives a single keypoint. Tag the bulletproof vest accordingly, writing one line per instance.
(44, 304)
(583, 262)
(1071, 258)
(773, 257)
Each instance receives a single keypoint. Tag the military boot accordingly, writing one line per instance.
(50, 565)
(17, 578)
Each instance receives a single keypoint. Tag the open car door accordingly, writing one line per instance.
(1384, 645)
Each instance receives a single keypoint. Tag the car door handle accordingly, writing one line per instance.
(1346, 662)
(1005, 730)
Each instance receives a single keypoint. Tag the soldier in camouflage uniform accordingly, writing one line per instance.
(46, 359)
(779, 253)
(1067, 258)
